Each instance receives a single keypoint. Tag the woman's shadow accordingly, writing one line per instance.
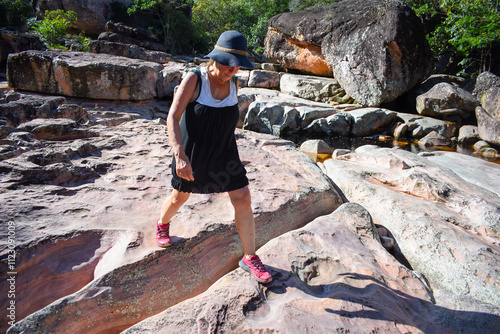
(380, 302)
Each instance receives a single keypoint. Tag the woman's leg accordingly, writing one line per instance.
(172, 204)
(243, 217)
(245, 224)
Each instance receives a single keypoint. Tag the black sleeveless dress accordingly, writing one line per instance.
(209, 142)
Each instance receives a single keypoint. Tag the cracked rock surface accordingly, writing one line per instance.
(103, 194)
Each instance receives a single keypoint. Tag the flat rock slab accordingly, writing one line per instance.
(269, 95)
(447, 227)
(467, 167)
(331, 276)
(83, 74)
(313, 88)
(132, 278)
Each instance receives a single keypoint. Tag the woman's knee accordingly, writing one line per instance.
(241, 198)
(178, 198)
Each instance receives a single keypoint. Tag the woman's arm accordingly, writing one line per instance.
(183, 96)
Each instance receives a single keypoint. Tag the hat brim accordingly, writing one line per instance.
(230, 59)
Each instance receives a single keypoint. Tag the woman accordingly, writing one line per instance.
(206, 157)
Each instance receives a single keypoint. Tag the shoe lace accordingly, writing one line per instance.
(257, 263)
(163, 230)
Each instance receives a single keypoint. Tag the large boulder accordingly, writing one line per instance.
(377, 50)
(446, 101)
(490, 101)
(488, 116)
(12, 41)
(485, 81)
(82, 74)
(106, 261)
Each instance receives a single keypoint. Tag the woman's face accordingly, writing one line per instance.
(224, 72)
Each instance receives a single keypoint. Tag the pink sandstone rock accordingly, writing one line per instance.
(331, 276)
(83, 74)
(446, 225)
(61, 264)
(134, 279)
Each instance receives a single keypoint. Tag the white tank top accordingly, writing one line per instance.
(206, 97)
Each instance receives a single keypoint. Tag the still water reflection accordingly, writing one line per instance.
(351, 143)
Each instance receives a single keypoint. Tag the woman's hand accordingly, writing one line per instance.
(183, 168)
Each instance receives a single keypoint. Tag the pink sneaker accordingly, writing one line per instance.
(256, 268)
(162, 234)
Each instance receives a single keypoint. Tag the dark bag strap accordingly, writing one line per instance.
(198, 82)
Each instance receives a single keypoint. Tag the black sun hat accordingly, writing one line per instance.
(231, 50)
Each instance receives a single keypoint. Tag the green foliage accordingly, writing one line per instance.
(83, 41)
(213, 17)
(52, 29)
(469, 29)
(473, 27)
(15, 13)
(296, 5)
(166, 18)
